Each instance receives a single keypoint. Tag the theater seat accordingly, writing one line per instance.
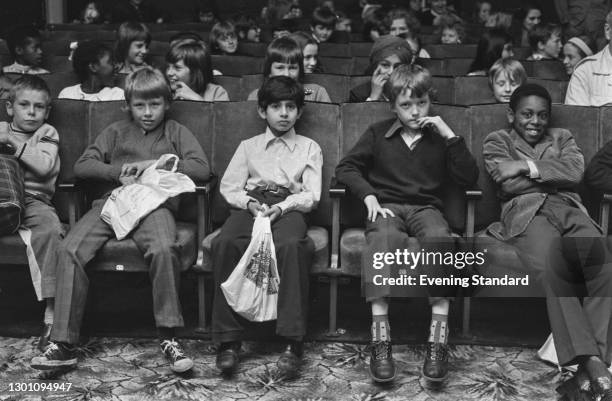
(130, 257)
(318, 235)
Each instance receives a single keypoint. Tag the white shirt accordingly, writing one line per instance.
(106, 94)
(17, 68)
(411, 140)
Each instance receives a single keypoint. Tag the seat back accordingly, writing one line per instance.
(337, 86)
(233, 86)
(360, 49)
(451, 51)
(252, 49)
(546, 69)
(472, 90)
(57, 63)
(445, 89)
(237, 65)
(60, 80)
(360, 65)
(337, 65)
(334, 50)
(249, 84)
(159, 48)
(556, 88)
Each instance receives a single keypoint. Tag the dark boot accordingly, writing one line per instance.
(227, 356)
(290, 360)
(435, 367)
(382, 366)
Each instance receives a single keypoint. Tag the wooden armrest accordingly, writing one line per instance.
(68, 187)
(473, 194)
(604, 212)
(203, 194)
(336, 189)
(607, 198)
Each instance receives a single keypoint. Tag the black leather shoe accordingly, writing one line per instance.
(435, 367)
(227, 356)
(382, 366)
(601, 380)
(289, 362)
(45, 336)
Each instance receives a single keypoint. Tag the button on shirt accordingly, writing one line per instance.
(292, 161)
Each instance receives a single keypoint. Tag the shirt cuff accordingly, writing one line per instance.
(533, 169)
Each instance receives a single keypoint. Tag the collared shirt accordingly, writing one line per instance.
(17, 68)
(410, 140)
(292, 161)
(105, 94)
(591, 82)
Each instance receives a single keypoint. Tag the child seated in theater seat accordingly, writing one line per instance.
(284, 57)
(24, 44)
(322, 24)
(451, 32)
(399, 169)
(387, 53)
(277, 173)
(545, 42)
(494, 44)
(310, 51)
(94, 65)
(120, 153)
(504, 77)
(537, 169)
(438, 11)
(189, 70)
(132, 47)
(35, 145)
(223, 38)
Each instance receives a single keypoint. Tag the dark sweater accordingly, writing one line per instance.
(598, 174)
(387, 168)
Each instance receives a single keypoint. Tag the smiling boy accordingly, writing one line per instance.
(118, 156)
(25, 47)
(399, 168)
(277, 173)
(536, 169)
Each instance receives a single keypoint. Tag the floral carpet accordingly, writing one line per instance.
(134, 369)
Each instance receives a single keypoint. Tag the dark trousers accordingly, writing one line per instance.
(562, 242)
(294, 253)
(389, 234)
(155, 237)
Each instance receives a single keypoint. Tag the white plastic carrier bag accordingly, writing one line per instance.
(252, 288)
(129, 204)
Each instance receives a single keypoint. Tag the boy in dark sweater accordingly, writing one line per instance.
(399, 168)
(119, 155)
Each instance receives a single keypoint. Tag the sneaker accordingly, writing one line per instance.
(174, 353)
(56, 355)
(45, 337)
(382, 366)
(435, 367)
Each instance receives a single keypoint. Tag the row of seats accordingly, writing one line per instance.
(337, 227)
(450, 90)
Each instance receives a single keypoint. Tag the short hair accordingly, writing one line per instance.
(609, 19)
(283, 50)
(127, 33)
(542, 33)
(147, 83)
(490, 48)
(276, 89)
(412, 22)
(196, 57)
(527, 90)
(219, 31)
(88, 52)
(529, 5)
(374, 21)
(303, 39)
(451, 23)
(513, 68)
(323, 16)
(20, 37)
(409, 76)
(29, 82)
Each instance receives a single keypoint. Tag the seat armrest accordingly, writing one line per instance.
(336, 189)
(73, 190)
(604, 212)
(203, 198)
(472, 196)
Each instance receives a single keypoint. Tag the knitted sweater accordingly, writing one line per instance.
(381, 164)
(38, 153)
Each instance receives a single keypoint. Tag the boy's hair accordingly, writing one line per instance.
(147, 83)
(88, 52)
(527, 90)
(20, 37)
(283, 50)
(409, 76)
(127, 33)
(219, 31)
(276, 89)
(542, 33)
(323, 16)
(513, 68)
(412, 22)
(29, 82)
(196, 57)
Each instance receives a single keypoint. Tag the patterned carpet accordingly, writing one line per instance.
(134, 369)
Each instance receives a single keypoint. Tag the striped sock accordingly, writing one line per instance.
(438, 331)
(381, 331)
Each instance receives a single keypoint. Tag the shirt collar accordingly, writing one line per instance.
(289, 138)
(397, 126)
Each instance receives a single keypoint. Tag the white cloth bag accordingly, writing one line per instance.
(252, 288)
(129, 204)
